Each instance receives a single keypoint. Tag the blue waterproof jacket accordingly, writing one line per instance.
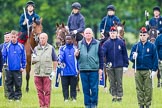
(66, 55)
(109, 22)
(76, 22)
(147, 58)
(30, 18)
(116, 53)
(14, 55)
(156, 22)
(158, 43)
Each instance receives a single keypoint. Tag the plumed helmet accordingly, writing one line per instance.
(143, 30)
(76, 5)
(30, 3)
(156, 8)
(113, 28)
(111, 7)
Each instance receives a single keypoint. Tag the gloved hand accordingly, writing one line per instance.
(160, 61)
(76, 53)
(147, 23)
(75, 31)
(125, 69)
(135, 54)
(25, 21)
(153, 74)
(102, 31)
(0, 74)
(158, 32)
(52, 75)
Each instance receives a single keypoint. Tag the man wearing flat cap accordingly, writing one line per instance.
(116, 56)
(145, 62)
(156, 21)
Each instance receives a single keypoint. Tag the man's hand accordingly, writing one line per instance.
(75, 31)
(125, 69)
(147, 23)
(100, 74)
(135, 54)
(153, 74)
(25, 21)
(0, 75)
(21, 70)
(76, 53)
(52, 75)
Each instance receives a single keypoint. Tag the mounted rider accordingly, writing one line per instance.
(76, 21)
(107, 22)
(26, 20)
(156, 21)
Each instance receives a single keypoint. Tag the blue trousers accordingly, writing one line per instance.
(90, 88)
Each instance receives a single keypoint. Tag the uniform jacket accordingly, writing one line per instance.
(76, 22)
(30, 18)
(147, 58)
(115, 53)
(14, 55)
(109, 22)
(156, 22)
(158, 43)
(66, 55)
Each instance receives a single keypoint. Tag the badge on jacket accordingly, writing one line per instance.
(148, 49)
(119, 47)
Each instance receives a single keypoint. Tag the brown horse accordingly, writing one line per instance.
(61, 32)
(152, 36)
(30, 44)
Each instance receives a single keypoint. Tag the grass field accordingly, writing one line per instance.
(30, 100)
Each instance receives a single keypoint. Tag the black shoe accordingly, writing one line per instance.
(158, 85)
(147, 106)
(119, 99)
(114, 100)
(141, 106)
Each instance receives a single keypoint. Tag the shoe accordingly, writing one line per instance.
(114, 100)
(74, 100)
(10, 100)
(147, 106)
(119, 99)
(141, 106)
(66, 100)
(17, 100)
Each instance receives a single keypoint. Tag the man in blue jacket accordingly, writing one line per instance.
(70, 71)
(158, 44)
(107, 22)
(116, 55)
(145, 62)
(15, 58)
(30, 15)
(76, 21)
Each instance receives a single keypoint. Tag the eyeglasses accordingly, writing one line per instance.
(142, 35)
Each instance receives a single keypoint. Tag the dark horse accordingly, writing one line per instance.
(152, 36)
(121, 31)
(61, 32)
(30, 44)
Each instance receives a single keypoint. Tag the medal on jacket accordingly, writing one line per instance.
(119, 47)
(148, 49)
(160, 22)
(14, 52)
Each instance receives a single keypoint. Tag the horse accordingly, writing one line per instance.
(152, 36)
(32, 41)
(61, 32)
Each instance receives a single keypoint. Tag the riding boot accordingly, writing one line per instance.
(23, 36)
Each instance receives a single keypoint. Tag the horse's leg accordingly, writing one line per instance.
(77, 87)
(28, 68)
(158, 77)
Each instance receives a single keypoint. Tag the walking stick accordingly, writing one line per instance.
(26, 21)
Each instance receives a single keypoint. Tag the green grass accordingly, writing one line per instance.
(30, 100)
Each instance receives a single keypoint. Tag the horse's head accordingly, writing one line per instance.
(152, 34)
(61, 32)
(37, 26)
(120, 28)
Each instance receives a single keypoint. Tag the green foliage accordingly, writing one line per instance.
(57, 11)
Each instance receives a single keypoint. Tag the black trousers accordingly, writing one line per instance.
(66, 82)
(14, 83)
